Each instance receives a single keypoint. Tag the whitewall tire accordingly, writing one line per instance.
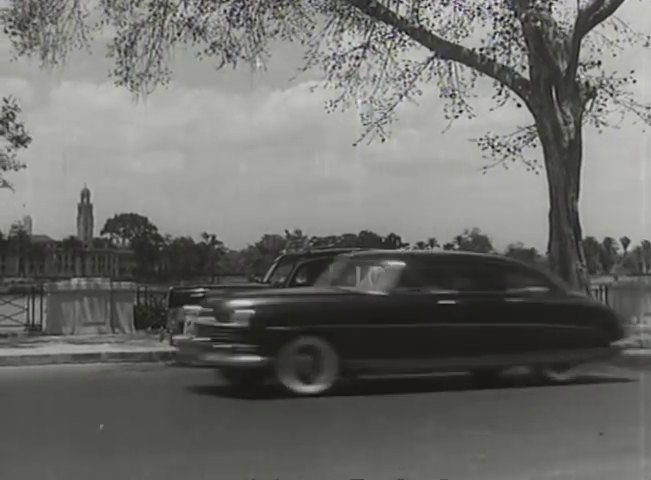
(307, 365)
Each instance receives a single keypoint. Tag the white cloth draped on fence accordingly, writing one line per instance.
(90, 307)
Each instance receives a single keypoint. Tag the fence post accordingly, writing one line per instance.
(29, 294)
(42, 294)
(32, 320)
(111, 320)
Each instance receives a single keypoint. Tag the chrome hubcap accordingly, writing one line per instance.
(308, 366)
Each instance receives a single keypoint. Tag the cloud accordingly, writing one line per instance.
(18, 88)
(241, 155)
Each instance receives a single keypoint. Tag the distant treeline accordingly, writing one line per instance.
(165, 258)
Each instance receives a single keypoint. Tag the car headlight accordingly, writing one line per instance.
(241, 317)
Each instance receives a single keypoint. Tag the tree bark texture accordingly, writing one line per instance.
(559, 122)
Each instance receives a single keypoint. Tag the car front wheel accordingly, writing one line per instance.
(307, 365)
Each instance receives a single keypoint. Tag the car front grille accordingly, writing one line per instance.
(220, 334)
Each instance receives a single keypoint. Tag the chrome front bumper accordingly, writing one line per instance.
(202, 352)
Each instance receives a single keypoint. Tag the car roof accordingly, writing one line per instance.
(331, 251)
(438, 254)
(480, 258)
(192, 287)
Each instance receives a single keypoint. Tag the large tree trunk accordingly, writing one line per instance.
(559, 123)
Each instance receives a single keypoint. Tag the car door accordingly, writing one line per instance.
(458, 301)
(364, 324)
(381, 323)
(421, 311)
(534, 318)
(505, 309)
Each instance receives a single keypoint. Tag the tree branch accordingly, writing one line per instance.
(512, 147)
(587, 19)
(444, 49)
(608, 8)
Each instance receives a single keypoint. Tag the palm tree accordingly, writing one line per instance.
(626, 242)
(609, 254)
(4, 243)
(646, 255)
(592, 249)
(420, 245)
(214, 248)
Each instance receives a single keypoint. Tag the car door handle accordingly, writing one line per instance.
(446, 302)
(514, 299)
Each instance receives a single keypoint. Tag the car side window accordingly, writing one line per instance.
(352, 276)
(410, 279)
(474, 279)
(461, 277)
(446, 278)
(308, 272)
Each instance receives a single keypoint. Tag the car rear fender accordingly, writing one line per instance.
(608, 321)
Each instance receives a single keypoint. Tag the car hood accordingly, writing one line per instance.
(236, 287)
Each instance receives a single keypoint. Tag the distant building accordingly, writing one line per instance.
(28, 224)
(85, 218)
(16, 228)
(76, 256)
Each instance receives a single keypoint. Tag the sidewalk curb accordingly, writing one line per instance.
(152, 356)
(627, 358)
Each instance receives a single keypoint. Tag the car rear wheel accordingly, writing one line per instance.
(307, 365)
(560, 373)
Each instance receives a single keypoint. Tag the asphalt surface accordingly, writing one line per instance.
(161, 422)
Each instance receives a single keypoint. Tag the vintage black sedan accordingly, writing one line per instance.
(403, 312)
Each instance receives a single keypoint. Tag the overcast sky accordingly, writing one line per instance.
(240, 154)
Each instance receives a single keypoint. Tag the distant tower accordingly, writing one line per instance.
(28, 224)
(85, 218)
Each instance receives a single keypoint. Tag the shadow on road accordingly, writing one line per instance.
(402, 386)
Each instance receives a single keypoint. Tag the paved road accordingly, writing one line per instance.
(159, 422)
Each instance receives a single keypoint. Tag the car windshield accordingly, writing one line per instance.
(365, 275)
(278, 272)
